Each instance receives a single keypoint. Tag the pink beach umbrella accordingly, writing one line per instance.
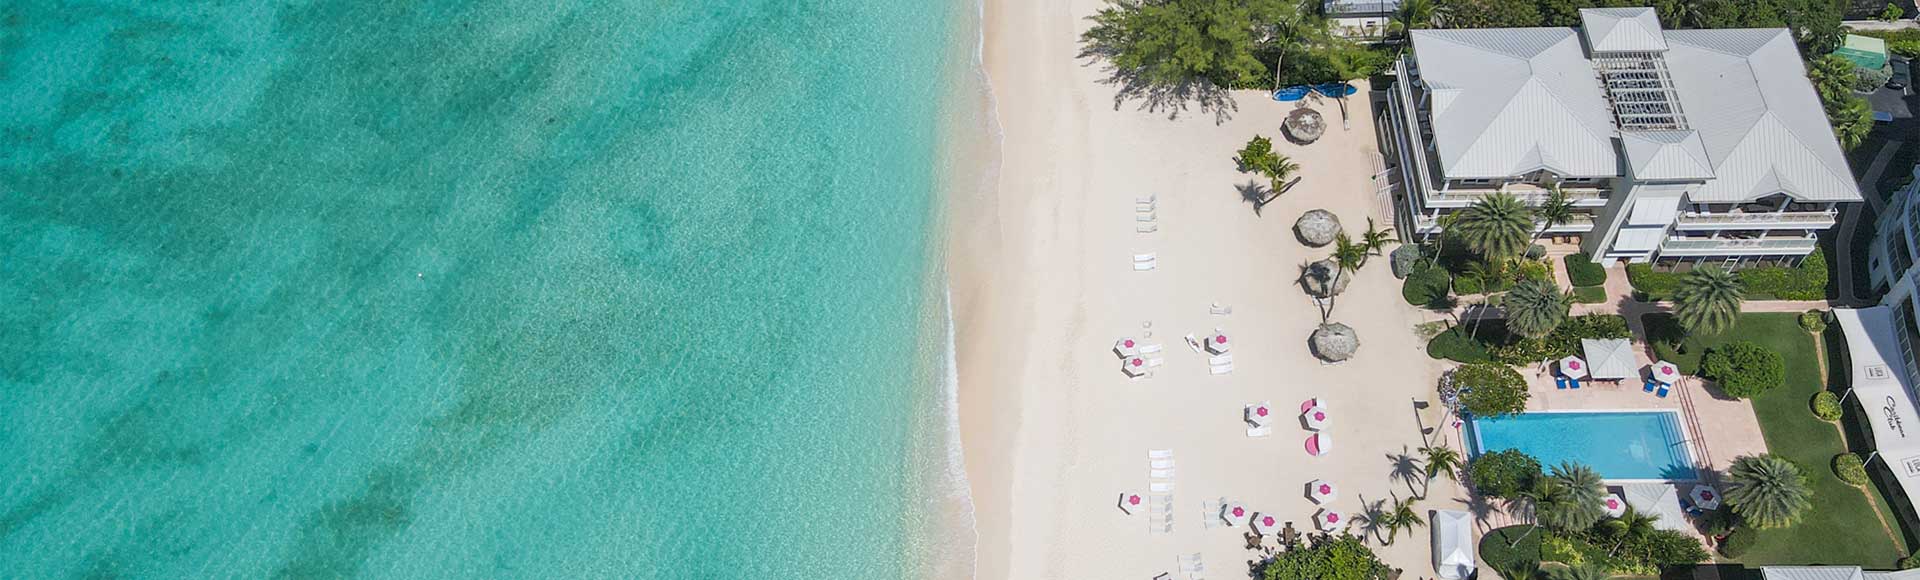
(1330, 520)
(1264, 524)
(1130, 502)
(1573, 367)
(1613, 505)
(1665, 372)
(1705, 497)
(1134, 366)
(1235, 513)
(1260, 414)
(1217, 342)
(1322, 491)
(1316, 417)
(1319, 444)
(1126, 347)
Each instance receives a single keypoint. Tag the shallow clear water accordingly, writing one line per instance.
(1619, 445)
(471, 289)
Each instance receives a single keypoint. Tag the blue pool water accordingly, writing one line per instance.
(1623, 445)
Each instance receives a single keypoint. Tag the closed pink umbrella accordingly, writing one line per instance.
(1322, 491)
(1264, 524)
(1126, 347)
(1217, 343)
(1666, 372)
(1316, 417)
(1330, 521)
(1573, 367)
(1133, 366)
(1236, 513)
(1613, 505)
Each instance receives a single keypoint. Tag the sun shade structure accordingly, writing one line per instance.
(1609, 358)
(1666, 372)
(1335, 342)
(1658, 499)
(1572, 366)
(1126, 347)
(1316, 418)
(1317, 227)
(1705, 497)
(1264, 524)
(1235, 513)
(1453, 544)
(1865, 51)
(1879, 382)
(1260, 414)
(1134, 366)
(1613, 505)
(1322, 491)
(1322, 279)
(1330, 520)
(1305, 125)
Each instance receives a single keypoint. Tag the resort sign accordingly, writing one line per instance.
(1910, 466)
(1892, 410)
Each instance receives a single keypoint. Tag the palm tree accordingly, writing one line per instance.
(1401, 517)
(1348, 256)
(1539, 495)
(1535, 307)
(1766, 490)
(1278, 170)
(1441, 460)
(1555, 211)
(1446, 222)
(1586, 571)
(1406, 468)
(1577, 506)
(1852, 122)
(1496, 226)
(1630, 525)
(1517, 569)
(1376, 240)
(1707, 300)
(1415, 15)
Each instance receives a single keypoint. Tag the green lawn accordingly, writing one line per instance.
(1841, 527)
(1589, 294)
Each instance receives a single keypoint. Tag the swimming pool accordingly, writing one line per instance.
(1619, 445)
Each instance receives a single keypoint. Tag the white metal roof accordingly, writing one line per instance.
(1512, 101)
(1453, 544)
(1609, 358)
(1811, 573)
(1666, 155)
(1622, 29)
(1746, 92)
(1879, 380)
(1658, 499)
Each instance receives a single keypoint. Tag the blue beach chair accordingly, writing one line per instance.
(1650, 385)
(1573, 383)
(1559, 382)
(1663, 392)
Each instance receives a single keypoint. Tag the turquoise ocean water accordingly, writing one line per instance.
(475, 289)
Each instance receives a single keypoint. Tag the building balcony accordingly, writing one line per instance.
(1580, 224)
(1677, 246)
(1804, 220)
(1530, 194)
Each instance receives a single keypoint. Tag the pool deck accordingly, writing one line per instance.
(1721, 428)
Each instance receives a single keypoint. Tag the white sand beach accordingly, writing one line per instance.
(1043, 285)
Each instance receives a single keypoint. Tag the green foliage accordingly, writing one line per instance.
(1892, 12)
(1490, 389)
(1511, 547)
(1815, 23)
(1497, 226)
(1744, 369)
(1869, 80)
(1665, 548)
(1849, 468)
(1826, 406)
(1707, 300)
(1908, 563)
(1503, 473)
(1490, 13)
(1177, 42)
(1564, 341)
(1739, 541)
(1815, 321)
(1334, 60)
(1904, 42)
(1590, 294)
(1656, 285)
(1469, 284)
(1808, 281)
(1577, 572)
(1427, 286)
(1833, 79)
(1718, 522)
(1536, 307)
(1455, 345)
(1555, 548)
(1257, 155)
(1581, 270)
(1573, 503)
(1341, 557)
(1441, 460)
(1767, 491)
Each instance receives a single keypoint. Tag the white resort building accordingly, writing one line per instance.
(1360, 19)
(1677, 146)
(1880, 351)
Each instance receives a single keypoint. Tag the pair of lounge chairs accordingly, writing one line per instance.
(1144, 262)
(1565, 382)
(1658, 388)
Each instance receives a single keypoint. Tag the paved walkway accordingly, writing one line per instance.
(1850, 220)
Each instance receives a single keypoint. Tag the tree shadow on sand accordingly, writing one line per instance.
(1256, 193)
(1174, 100)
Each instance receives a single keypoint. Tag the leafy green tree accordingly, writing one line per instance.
(1631, 525)
(1503, 473)
(1497, 226)
(1535, 307)
(1490, 389)
(1556, 210)
(1440, 460)
(1400, 517)
(1341, 557)
(1179, 42)
(1744, 369)
(1767, 491)
(1577, 505)
(1490, 13)
(1892, 12)
(1415, 15)
(1708, 300)
(1584, 571)
(1852, 122)
(1257, 156)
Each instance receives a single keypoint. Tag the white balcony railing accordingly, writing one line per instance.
(1788, 218)
(1733, 246)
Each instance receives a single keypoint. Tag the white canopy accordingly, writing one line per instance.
(1610, 358)
(1453, 544)
(1658, 499)
(1879, 374)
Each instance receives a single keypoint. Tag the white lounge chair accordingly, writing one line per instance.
(1221, 369)
(1156, 361)
(1151, 348)
(1221, 310)
(1142, 266)
(1149, 198)
(1147, 257)
(1210, 513)
(1147, 228)
(1225, 359)
(1160, 474)
(1160, 487)
(1145, 217)
(1161, 463)
(1257, 432)
(1194, 343)
(1159, 453)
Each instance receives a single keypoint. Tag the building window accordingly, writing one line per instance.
(1903, 317)
(1476, 182)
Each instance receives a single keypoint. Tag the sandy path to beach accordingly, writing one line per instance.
(1043, 285)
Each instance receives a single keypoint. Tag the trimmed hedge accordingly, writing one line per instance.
(1738, 542)
(1814, 321)
(1581, 270)
(1469, 285)
(1589, 294)
(1849, 468)
(1455, 345)
(1427, 287)
(1656, 285)
(1826, 406)
(1808, 281)
(1744, 369)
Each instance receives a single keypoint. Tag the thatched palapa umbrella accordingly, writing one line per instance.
(1317, 227)
(1335, 342)
(1305, 125)
(1320, 275)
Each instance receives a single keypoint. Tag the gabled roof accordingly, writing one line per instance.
(1608, 358)
(1746, 92)
(1515, 100)
(1666, 155)
(1622, 29)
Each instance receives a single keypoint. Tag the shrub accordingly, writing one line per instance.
(1904, 42)
(1718, 522)
(1869, 80)
(1667, 548)
(1908, 563)
(1826, 406)
(1563, 341)
(1744, 369)
(1427, 287)
(1405, 260)
(1469, 285)
(1535, 270)
(1503, 473)
(1490, 389)
(1814, 321)
(1656, 285)
(1738, 542)
(1562, 550)
(1850, 468)
(1807, 281)
(1537, 251)
(1892, 12)
(1455, 345)
(1581, 270)
(1341, 557)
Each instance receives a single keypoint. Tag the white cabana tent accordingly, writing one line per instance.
(1610, 358)
(1879, 377)
(1658, 499)
(1453, 544)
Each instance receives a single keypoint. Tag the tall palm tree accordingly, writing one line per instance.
(1629, 526)
(1555, 211)
(1279, 169)
(1348, 256)
(1766, 490)
(1852, 122)
(1539, 496)
(1707, 300)
(1585, 571)
(1440, 460)
(1497, 226)
(1535, 307)
(1577, 507)
(1401, 517)
(1376, 240)
(1446, 222)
